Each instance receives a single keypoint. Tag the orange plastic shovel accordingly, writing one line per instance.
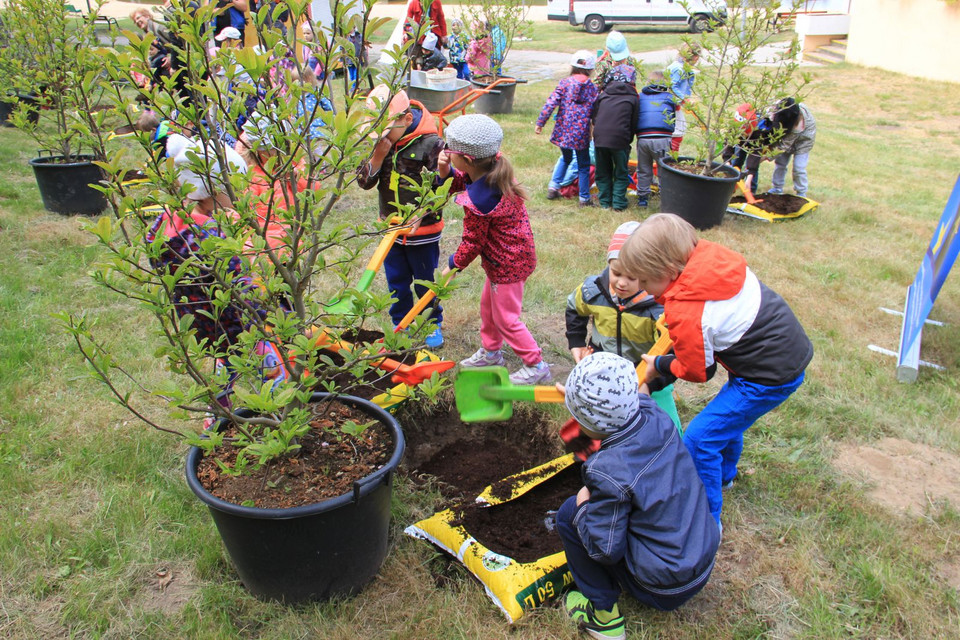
(422, 303)
(745, 188)
(582, 446)
(411, 374)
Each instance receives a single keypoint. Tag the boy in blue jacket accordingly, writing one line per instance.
(655, 124)
(641, 522)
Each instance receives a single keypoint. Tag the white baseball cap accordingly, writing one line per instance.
(583, 59)
(228, 32)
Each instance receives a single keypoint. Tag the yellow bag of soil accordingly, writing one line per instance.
(753, 211)
(513, 586)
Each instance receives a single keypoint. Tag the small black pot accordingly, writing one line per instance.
(317, 551)
(499, 100)
(8, 105)
(65, 186)
(700, 200)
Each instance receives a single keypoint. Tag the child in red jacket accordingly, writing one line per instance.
(717, 311)
(496, 227)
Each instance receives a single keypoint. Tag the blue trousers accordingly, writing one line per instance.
(404, 264)
(714, 437)
(583, 170)
(601, 583)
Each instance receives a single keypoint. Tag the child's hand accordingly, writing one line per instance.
(583, 495)
(651, 369)
(443, 164)
(644, 389)
(537, 130)
(562, 389)
(579, 353)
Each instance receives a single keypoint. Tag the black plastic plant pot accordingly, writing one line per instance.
(8, 105)
(700, 200)
(500, 98)
(65, 186)
(314, 552)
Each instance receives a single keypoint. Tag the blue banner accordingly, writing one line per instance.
(937, 262)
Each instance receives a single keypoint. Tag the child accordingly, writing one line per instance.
(496, 226)
(718, 312)
(624, 317)
(574, 96)
(614, 118)
(681, 75)
(458, 49)
(641, 521)
(618, 58)
(409, 146)
(432, 56)
(480, 50)
(799, 133)
(654, 127)
(746, 154)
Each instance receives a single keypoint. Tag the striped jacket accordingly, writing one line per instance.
(719, 312)
(627, 330)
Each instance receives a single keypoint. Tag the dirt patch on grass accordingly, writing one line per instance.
(905, 477)
(166, 590)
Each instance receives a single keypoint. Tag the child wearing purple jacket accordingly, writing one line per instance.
(573, 99)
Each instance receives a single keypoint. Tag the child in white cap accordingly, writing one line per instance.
(496, 227)
(573, 99)
(623, 317)
(641, 521)
(432, 56)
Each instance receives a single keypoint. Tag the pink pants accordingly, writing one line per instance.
(500, 307)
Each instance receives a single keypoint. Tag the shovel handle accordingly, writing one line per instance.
(661, 347)
(539, 393)
(422, 303)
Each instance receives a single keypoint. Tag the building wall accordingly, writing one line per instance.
(917, 37)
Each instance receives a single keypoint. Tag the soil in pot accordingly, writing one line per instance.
(464, 458)
(517, 528)
(780, 203)
(326, 466)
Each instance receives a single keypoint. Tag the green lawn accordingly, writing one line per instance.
(560, 36)
(93, 505)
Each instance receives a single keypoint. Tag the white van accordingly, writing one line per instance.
(598, 16)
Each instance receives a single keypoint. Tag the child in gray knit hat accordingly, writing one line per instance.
(497, 228)
(641, 522)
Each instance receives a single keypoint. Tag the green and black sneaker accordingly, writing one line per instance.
(597, 623)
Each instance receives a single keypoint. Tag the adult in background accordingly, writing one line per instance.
(417, 18)
(231, 13)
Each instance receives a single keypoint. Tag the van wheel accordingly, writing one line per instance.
(700, 23)
(594, 24)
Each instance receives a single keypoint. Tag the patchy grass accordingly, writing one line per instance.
(93, 506)
(560, 36)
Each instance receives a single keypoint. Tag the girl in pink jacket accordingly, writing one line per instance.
(496, 228)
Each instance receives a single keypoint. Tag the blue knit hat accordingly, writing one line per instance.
(603, 392)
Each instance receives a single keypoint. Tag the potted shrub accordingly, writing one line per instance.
(499, 21)
(697, 185)
(52, 64)
(236, 269)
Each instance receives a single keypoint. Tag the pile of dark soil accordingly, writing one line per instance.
(775, 202)
(465, 458)
(516, 528)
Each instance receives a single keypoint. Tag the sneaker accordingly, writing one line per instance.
(776, 192)
(484, 358)
(727, 485)
(642, 202)
(587, 203)
(435, 339)
(553, 194)
(537, 374)
(596, 623)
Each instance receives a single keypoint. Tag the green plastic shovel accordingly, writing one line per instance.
(344, 305)
(485, 394)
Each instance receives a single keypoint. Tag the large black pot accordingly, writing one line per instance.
(65, 186)
(8, 104)
(317, 551)
(700, 200)
(500, 98)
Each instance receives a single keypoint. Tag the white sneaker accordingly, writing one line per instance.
(484, 358)
(537, 374)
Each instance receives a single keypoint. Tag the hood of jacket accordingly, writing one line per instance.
(583, 90)
(619, 89)
(426, 125)
(713, 272)
(654, 89)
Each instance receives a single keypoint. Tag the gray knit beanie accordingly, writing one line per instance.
(475, 135)
(603, 392)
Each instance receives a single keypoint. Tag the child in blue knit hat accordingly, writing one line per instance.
(641, 522)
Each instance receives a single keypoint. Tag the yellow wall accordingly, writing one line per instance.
(917, 37)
